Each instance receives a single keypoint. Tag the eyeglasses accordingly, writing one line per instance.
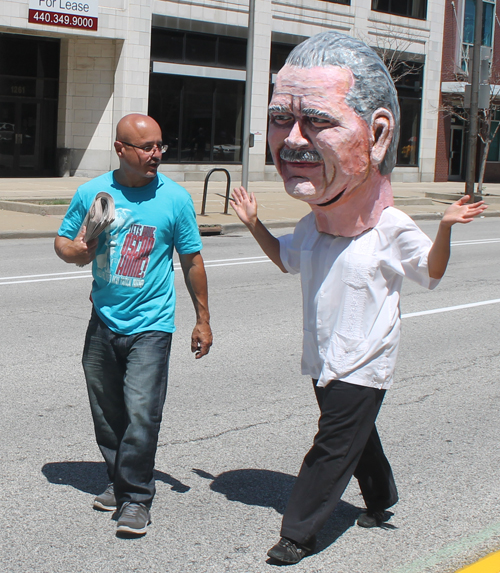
(148, 148)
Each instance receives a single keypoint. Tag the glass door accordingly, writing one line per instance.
(19, 139)
(7, 137)
(27, 138)
(456, 152)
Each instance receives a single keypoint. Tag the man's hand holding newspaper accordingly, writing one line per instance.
(99, 216)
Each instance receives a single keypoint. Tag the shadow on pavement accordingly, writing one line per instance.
(91, 477)
(266, 488)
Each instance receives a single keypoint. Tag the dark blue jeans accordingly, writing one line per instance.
(127, 385)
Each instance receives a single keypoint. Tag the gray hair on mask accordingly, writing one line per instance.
(373, 88)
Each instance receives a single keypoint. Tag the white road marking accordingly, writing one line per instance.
(87, 274)
(218, 263)
(226, 263)
(450, 308)
(474, 242)
(44, 275)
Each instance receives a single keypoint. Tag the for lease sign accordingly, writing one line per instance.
(80, 14)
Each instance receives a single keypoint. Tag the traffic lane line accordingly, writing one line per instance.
(87, 274)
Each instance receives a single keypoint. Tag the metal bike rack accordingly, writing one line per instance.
(205, 189)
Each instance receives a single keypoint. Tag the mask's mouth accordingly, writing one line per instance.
(336, 198)
(300, 156)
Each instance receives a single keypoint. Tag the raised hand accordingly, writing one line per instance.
(458, 212)
(245, 206)
(462, 212)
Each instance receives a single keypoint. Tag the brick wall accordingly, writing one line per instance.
(450, 40)
(449, 66)
(442, 148)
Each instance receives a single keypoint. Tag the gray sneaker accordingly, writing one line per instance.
(134, 519)
(106, 501)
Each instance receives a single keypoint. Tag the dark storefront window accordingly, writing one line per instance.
(29, 83)
(470, 18)
(409, 89)
(279, 54)
(409, 131)
(494, 151)
(469, 25)
(198, 49)
(409, 8)
(201, 118)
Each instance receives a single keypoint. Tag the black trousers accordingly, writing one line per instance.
(347, 444)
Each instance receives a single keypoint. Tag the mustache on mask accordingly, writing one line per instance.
(298, 156)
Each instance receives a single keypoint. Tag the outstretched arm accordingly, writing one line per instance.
(196, 283)
(458, 212)
(245, 206)
(76, 251)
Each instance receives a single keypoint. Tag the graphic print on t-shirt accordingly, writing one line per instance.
(128, 260)
(135, 252)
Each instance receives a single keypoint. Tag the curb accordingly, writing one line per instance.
(223, 229)
(28, 234)
(33, 208)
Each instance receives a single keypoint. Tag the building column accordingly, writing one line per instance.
(432, 91)
(133, 61)
(87, 70)
(260, 88)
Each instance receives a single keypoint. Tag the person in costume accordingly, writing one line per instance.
(333, 135)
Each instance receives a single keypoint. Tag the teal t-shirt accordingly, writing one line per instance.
(133, 288)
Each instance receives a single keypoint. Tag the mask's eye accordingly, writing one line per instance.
(321, 122)
(281, 118)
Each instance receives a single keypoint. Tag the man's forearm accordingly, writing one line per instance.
(195, 278)
(77, 251)
(268, 243)
(196, 282)
(439, 255)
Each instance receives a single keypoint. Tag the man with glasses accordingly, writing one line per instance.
(128, 340)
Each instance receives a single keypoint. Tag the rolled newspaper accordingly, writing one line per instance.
(99, 216)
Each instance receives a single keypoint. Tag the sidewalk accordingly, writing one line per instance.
(21, 219)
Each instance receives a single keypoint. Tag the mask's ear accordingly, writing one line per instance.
(382, 132)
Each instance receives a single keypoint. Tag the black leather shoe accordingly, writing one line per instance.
(288, 551)
(372, 518)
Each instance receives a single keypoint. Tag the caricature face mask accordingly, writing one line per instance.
(325, 152)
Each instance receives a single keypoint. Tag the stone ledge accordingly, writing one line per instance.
(34, 208)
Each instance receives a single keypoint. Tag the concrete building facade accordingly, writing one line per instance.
(64, 85)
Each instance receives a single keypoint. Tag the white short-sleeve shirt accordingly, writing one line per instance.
(351, 289)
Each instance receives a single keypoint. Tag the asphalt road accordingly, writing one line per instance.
(238, 423)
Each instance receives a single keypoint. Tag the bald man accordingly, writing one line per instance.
(127, 346)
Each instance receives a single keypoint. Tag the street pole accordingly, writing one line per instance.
(473, 131)
(248, 95)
